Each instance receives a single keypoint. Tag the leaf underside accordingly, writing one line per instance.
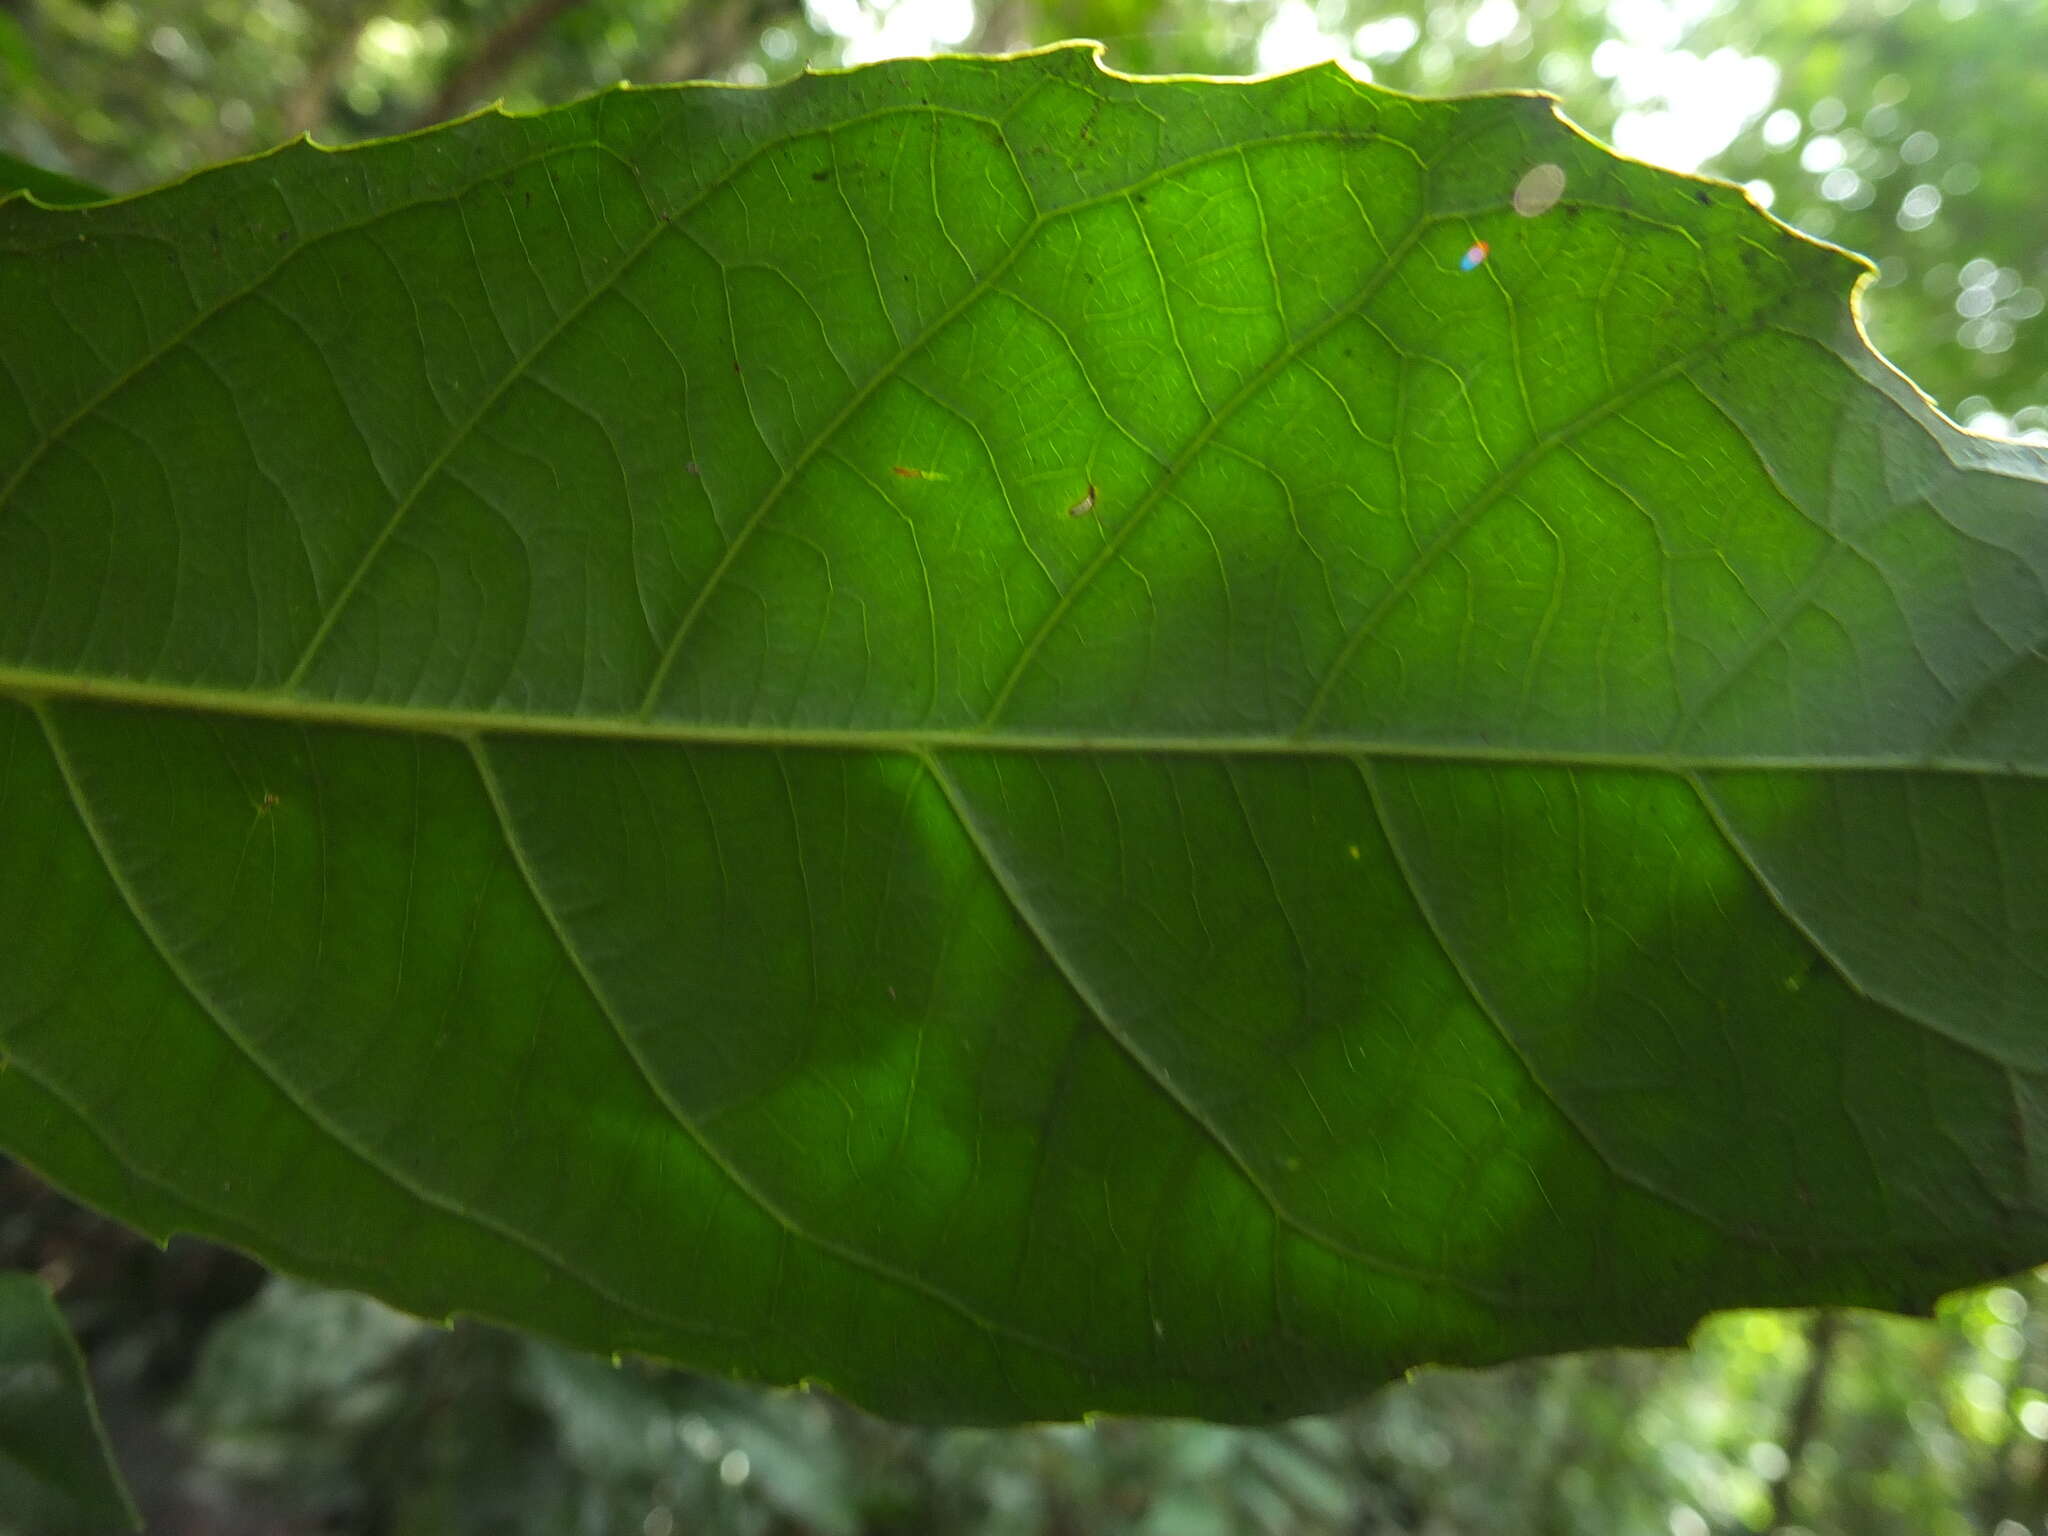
(1002, 736)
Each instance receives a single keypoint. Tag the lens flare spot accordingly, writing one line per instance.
(1538, 191)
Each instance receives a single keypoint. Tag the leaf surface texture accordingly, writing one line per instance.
(999, 735)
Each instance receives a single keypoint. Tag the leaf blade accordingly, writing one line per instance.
(1382, 886)
(55, 1464)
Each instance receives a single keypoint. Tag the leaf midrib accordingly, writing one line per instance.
(35, 687)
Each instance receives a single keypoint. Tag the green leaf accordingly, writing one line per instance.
(51, 188)
(990, 733)
(57, 1472)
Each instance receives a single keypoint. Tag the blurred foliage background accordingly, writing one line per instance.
(247, 1406)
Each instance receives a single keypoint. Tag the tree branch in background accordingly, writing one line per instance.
(306, 108)
(1804, 1418)
(488, 65)
(1005, 27)
(711, 39)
